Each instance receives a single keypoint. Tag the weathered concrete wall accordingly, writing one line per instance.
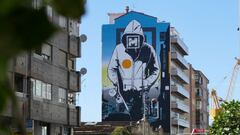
(74, 46)
(73, 118)
(48, 111)
(74, 82)
(60, 40)
(49, 73)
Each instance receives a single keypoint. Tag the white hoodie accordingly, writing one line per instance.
(138, 73)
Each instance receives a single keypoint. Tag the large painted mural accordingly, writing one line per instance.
(135, 70)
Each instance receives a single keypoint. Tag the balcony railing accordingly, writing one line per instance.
(179, 90)
(175, 56)
(180, 105)
(176, 40)
(180, 75)
(180, 121)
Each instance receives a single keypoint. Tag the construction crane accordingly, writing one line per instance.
(215, 100)
(233, 80)
(215, 104)
(236, 67)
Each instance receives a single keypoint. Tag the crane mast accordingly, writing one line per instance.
(233, 80)
(214, 104)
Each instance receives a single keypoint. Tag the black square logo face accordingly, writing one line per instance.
(133, 42)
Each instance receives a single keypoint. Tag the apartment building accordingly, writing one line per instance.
(202, 100)
(46, 81)
(180, 107)
(199, 99)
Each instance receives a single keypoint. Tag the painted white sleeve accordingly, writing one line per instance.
(113, 67)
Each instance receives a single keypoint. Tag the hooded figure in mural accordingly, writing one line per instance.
(133, 69)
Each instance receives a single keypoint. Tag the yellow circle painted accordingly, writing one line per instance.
(126, 63)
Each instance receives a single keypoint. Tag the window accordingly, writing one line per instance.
(38, 92)
(44, 90)
(38, 51)
(37, 4)
(199, 92)
(62, 58)
(45, 52)
(67, 131)
(199, 104)
(44, 130)
(62, 22)
(61, 95)
(18, 82)
(41, 89)
(71, 99)
(49, 92)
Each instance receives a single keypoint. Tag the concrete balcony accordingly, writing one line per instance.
(177, 89)
(53, 112)
(60, 40)
(74, 81)
(180, 106)
(180, 75)
(48, 111)
(176, 57)
(178, 42)
(74, 115)
(181, 122)
(74, 46)
(43, 70)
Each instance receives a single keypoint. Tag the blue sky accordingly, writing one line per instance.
(208, 27)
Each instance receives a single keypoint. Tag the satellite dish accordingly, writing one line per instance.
(83, 38)
(83, 71)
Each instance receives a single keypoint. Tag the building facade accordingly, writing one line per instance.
(192, 98)
(199, 99)
(46, 81)
(180, 107)
(202, 100)
(183, 102)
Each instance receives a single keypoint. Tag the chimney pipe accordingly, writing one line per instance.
(127, 9)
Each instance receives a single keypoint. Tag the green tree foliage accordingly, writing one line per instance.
(120, 131)
(227, 121)
(23, 28)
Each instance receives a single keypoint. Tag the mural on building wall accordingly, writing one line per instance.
(132, 69)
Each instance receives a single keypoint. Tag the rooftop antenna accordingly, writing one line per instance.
(127, 9)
